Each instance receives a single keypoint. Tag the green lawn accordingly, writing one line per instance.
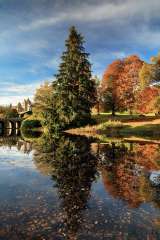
(149, 130)
(125, 125)
(123, 117)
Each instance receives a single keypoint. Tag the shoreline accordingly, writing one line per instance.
(144, 131)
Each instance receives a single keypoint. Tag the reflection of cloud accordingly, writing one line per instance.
(14, 158)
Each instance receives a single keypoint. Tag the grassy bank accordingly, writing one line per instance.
(122, 126)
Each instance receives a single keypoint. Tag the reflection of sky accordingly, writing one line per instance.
(23, 190)
(12, 158)
(114, 216)
(18, 175)
(32, 35)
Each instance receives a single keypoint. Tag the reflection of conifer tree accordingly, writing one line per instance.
(110, 153)
(75, 169)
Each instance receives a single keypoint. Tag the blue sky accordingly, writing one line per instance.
(32, 35)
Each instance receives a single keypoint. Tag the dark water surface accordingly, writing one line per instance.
(73, 188)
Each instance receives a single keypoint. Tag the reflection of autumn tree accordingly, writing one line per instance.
(14, 141)
(75, 169)
(146, 100)
(148, 155)
(123, 171)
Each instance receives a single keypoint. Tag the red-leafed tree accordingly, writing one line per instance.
(129, 82)
(146, 100)
(119, 84)
(109, 86)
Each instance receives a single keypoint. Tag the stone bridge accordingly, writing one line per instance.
(21, 114)
(9, 125)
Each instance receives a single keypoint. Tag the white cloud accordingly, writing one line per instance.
(99, 12)
(6, 100)
(13, 92)
(26, 46)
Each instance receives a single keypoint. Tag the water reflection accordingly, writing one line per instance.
(127, 170)
(80, 189)
(73, 168)
(8, 132)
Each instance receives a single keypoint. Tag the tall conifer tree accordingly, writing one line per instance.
(75, 90)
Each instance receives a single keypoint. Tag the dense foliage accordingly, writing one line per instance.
(8, 112)
(119, 84)
(128, 84)
(29, 124)
(147, 100)
(75, 91)
(44, 106)
(131, 84)
(109, 87)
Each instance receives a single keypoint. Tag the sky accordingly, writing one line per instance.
(33, 32)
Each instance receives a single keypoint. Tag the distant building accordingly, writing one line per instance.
(25, 106)
(19, 107)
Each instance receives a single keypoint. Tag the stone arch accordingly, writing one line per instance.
(17, 132)
(1, 124)
(18, 124)
(10, 132)
(10, 124)
(2, 127)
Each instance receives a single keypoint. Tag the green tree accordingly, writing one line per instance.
(42, 100)
(150, 73)
(8, 112)
(98, 94)
(109, 102)
(156, 70)
(146, 75)
(44, 106)
(157, 105)
(75, 90)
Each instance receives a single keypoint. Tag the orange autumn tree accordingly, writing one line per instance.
(146, 100)
(129, 82)
(120, 83)
(109, 87)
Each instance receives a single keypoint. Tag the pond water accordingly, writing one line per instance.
(75, 188)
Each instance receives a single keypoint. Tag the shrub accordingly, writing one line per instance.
(30, 134)
(29, 124)
(110, 124)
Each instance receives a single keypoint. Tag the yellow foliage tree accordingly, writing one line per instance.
(43, 100)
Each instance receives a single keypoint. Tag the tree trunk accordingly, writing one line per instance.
(113, 111)
(131, 112)
(98, 108)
